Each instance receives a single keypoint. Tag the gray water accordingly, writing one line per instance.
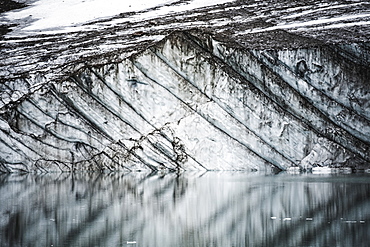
(191, 209)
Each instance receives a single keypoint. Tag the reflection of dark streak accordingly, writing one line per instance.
(74, 233)
(213, 218)
(293, 228)
(351, 204)
(242, 212)
(102, 236)
(239, 218)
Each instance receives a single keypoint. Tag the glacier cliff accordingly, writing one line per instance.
(194, 101)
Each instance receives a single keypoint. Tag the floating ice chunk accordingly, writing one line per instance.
(346, 170)
(293, 170)
(321, 170)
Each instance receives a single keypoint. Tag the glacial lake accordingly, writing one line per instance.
(191, 209)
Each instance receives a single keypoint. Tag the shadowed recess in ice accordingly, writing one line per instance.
(209, 209)
(192, 102)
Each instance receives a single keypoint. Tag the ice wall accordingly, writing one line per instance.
(193, 102)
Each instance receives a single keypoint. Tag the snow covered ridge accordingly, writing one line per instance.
(47, 36)
(241, 87)
(62, 16)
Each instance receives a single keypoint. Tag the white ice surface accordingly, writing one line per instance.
(62, 14)
(323, 8)
(322, 22)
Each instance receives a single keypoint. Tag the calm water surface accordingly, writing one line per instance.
(191, 209)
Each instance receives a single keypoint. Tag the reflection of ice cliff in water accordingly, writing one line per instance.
(208, 210)
(194, 102)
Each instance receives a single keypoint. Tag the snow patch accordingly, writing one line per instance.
(66, 14)
(61, 13)
(311, 23)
